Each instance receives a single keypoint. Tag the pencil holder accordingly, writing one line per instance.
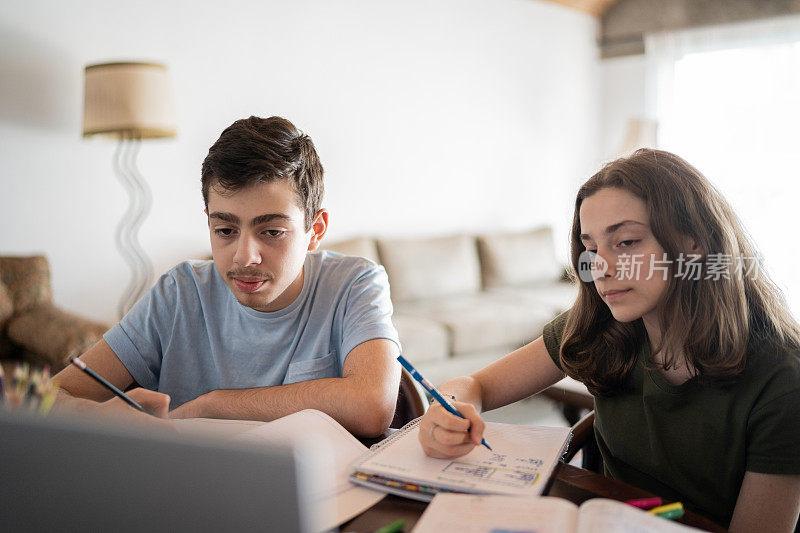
(26, 389)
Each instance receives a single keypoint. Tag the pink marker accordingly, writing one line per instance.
(645, 503)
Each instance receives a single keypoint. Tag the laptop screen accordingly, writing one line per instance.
(67, 474)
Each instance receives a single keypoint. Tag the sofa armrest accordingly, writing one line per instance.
(54, 334)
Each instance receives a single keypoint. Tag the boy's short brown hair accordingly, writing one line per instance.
(262, 150)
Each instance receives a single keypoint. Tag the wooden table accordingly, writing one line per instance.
(571, 483)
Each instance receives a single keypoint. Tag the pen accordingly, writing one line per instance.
(432, 391)
(102, 381)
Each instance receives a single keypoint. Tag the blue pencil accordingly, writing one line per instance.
(432, 391)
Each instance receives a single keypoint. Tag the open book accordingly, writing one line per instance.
(520, 464)
(461, 513)
(333, 491)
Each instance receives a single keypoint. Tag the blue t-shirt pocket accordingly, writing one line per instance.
(317, 368)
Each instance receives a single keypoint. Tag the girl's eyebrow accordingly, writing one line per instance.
(613, 228)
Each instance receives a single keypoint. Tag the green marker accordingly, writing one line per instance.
(394, 527)
(672, 515)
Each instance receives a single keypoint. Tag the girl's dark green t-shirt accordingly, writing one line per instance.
(693, 442)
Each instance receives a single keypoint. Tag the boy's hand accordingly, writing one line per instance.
(445, 436)
(190, 409)
(155, 403)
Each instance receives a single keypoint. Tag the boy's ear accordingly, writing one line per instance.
(318, 229)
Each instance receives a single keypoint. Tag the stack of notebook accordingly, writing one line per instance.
(519, 464)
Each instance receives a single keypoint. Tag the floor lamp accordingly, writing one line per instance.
(129, 101)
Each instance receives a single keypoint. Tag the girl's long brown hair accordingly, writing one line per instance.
(710, 321)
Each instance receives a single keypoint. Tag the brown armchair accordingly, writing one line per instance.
(32, 327)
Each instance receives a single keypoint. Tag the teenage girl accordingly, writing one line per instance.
(687, 346)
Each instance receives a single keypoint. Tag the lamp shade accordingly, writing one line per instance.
(128, 97)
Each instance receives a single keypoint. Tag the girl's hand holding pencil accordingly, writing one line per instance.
(459, 424)
(446, 436)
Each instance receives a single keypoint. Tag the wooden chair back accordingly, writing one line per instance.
(411, 401)
(583, 440)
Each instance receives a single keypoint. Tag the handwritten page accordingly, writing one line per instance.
(522, 459)
(467, 513)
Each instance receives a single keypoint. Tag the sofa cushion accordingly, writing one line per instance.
(357, 246)
(431, 268)
(557, 295)
(422, 339)
(518, 258)
(54, 334)
(437, 372)
(482, 321)
(27, 280)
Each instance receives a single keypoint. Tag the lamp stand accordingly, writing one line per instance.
(127, 233)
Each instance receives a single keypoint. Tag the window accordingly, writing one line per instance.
(727, 100)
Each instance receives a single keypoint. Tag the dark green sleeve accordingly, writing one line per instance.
(552, 333)
(773, 427)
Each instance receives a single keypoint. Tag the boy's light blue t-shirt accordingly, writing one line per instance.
(189, 335)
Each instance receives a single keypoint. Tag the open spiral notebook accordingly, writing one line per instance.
(520, 464)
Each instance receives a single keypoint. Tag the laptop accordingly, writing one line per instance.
(68, 474)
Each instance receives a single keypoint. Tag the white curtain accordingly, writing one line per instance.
(727, 99)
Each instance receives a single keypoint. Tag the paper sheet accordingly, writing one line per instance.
(602, 516)
(347, 499)
(214, 427)
(462, 513)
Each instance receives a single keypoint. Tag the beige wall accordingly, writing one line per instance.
(430, 117)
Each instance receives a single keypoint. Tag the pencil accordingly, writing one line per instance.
(432, 391)
(105, 383)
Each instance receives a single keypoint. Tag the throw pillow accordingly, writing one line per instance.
(516, 259)
(27, 280)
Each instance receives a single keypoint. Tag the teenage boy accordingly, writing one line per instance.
(266, 329)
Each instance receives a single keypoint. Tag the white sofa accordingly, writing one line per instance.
(462, 301)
